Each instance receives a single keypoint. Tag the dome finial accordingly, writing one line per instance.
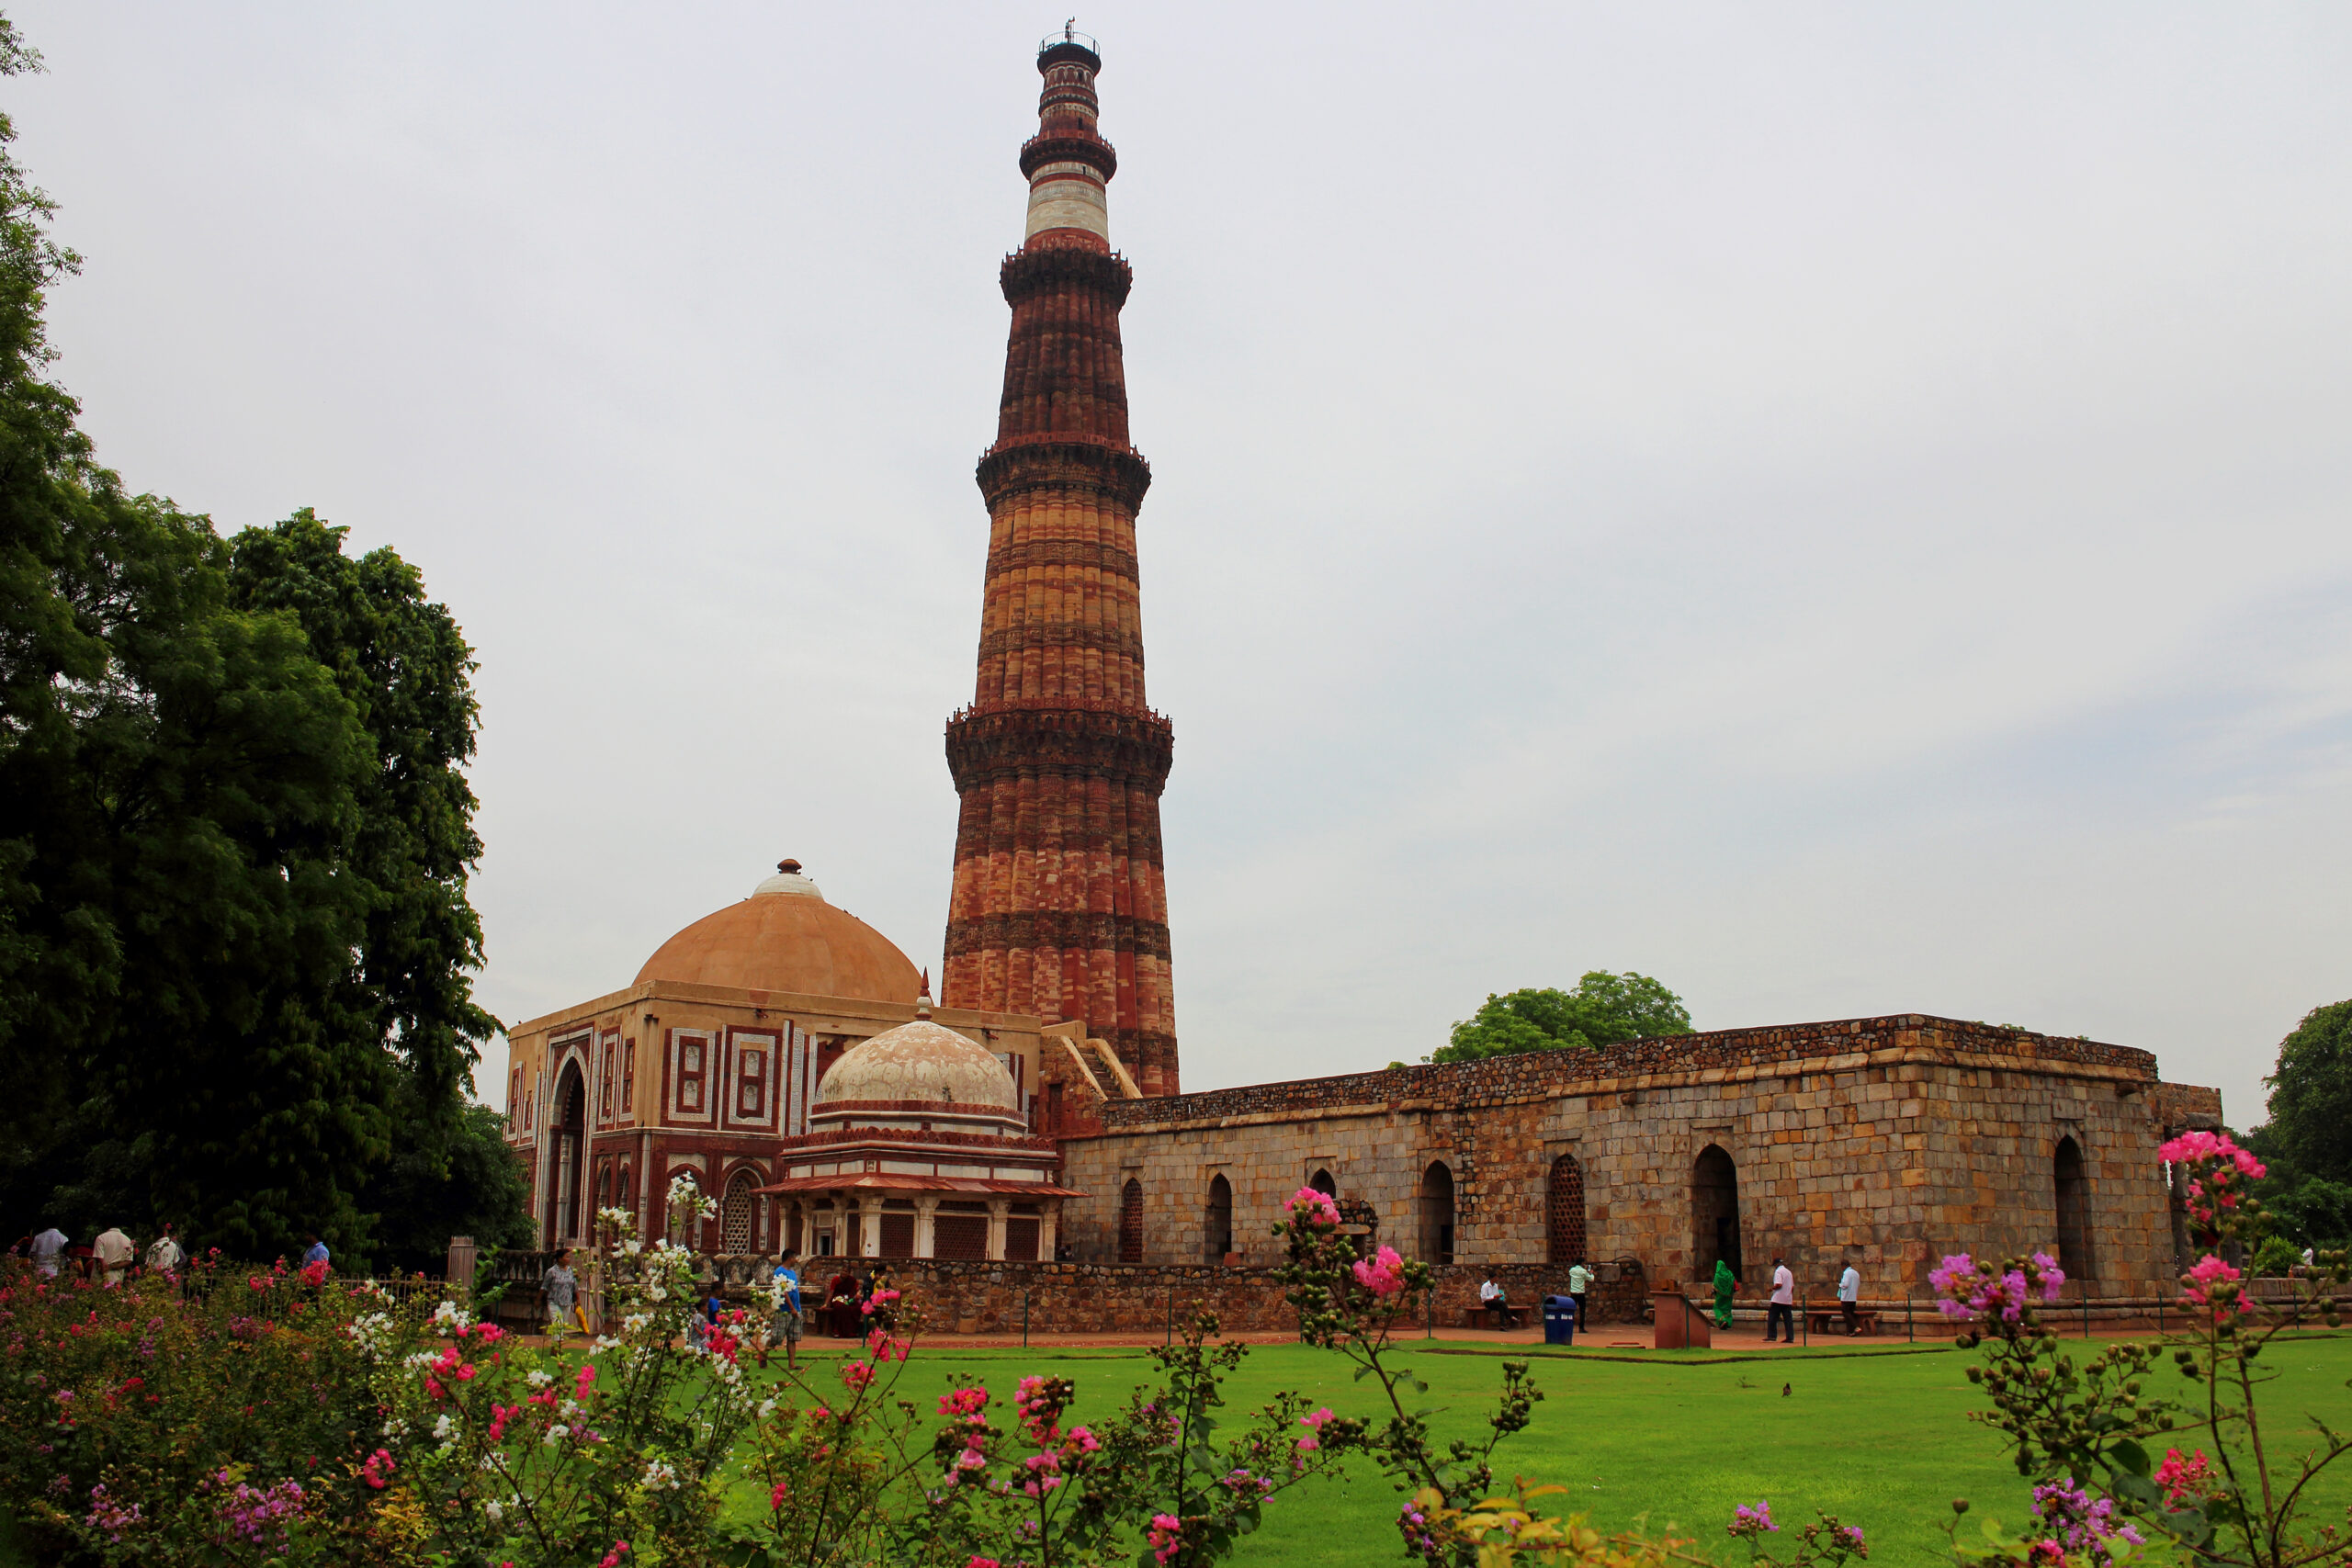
(922, 998)
(789, 866)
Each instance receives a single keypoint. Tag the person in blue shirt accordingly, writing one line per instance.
(784, 1326)
(318, 1250)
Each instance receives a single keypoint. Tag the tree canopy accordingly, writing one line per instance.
(234, 836)
(1603, 1009)
(2307, 1141)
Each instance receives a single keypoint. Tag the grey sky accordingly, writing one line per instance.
(1843, 509)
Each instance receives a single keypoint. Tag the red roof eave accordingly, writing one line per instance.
(900, 1182)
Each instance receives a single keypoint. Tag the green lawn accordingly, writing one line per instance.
(1879, 1437)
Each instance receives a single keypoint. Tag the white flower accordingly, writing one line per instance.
(656, 1294)
(395, 1429)
(658, 1477)
(541, 1378)
(495, 1509)
(632, 1247)
(767, 1408)
(571, 1410)
(556, 1435)
(450, 1314)
(444, 1428)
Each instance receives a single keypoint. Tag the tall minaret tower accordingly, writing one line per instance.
(1060, 904)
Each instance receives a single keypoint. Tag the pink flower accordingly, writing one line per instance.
(2183, 1480)
(612, 1559)
(775, 1497)
(1166, 1536)
(1382, 1275)
(1750, 1522)
(2213, 1285)
(857, 1374)
(1314, 1208)
(379, 1465)
(979, 1562)
(966, 1402)
(586, 1376)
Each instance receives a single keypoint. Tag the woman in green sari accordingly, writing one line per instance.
(1723, 1282)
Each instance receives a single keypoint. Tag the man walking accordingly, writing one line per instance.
(1850, 1295)
(317, 1251)
(114, 1252)
(164, 1253)
(1579, 1286)
(46, 1248)
(1782, 1312)
(784, 1327)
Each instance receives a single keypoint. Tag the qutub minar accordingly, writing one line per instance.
(1060, 906)
(779, 1052)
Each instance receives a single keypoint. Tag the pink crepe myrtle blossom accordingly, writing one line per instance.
(1314, 1209)
(2184, 1480)
(1313, 1425)
(2217, 1172)
(2213, 1286)
(1382, 1275)
(1749, 1523)
(582, 1380)
(966, 1403)
(877, 1301)
(856, 1375)
(380, 1465)
(979, 1561)
(315, 1273)
(612, 1559)
(1166, 1537)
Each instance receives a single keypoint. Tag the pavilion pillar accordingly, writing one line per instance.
(1049, 1215)
(869, 1224)
(1000, 1210)
(927, 1226)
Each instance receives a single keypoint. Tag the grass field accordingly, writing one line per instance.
(1879, 1437)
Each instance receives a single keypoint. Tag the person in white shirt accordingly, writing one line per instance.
(1782, 1312)
(164, 1254)
(1491, 1297)
(1579, 1286)
(46, 1246)
(1850, 1295)
(114, 1251)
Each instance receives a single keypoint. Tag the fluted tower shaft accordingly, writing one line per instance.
(1060, 904)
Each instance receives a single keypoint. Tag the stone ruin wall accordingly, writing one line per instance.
(1903, 1137)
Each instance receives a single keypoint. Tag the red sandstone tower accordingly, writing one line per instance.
(1060, 904)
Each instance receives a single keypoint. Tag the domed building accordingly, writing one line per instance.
(715, 1053)
(919, 1146)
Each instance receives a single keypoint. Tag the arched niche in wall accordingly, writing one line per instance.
(1715, 1215)
(1216, 1223)
(1437, 1212)
(1564, 1211)
(1131, 1222)
(2072, 1198)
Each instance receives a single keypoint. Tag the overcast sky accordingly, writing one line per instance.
(1841, 509)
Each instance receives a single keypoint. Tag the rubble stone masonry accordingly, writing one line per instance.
(1902, 1138)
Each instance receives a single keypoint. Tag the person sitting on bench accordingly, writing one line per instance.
(1491, 1296)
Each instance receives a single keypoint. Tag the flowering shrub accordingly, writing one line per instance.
(2084, 1428)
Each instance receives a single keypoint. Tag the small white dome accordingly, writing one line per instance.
(916, 1065)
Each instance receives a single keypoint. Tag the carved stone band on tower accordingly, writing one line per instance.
(1060, 907)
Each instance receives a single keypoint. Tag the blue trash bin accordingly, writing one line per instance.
(1559, 1320)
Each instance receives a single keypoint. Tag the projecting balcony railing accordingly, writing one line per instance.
(1070, 35)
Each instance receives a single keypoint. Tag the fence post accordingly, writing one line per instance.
(1171, 1312)
(1910, 1335)
(1024, 1319)
(2086, 1312)
(1805, 1317)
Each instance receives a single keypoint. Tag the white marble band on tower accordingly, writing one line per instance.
(1068, 196)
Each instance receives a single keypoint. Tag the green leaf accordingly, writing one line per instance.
(2130, 1456)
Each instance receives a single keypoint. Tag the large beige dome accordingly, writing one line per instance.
(784, 937)
(917, 1064)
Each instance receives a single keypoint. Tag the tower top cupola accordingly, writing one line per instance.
(1067, 163)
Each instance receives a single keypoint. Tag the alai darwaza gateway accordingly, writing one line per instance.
(784, 1056)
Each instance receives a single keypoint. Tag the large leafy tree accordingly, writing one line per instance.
(234, 932)
(2308, 1140)
(1603, 1009)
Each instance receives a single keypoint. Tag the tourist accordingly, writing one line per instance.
(46, 1246)
(560, 1287)
(316, 1252)
(1782, 1312)
(1579, 1286)
(164, 1253)
(841, 1306)
(1850, 1295)
(114, 1252)
(1496, 1299)
(1725, 1281)
(784, 1328)
(85, 1263)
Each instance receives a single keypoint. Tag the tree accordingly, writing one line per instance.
(233, 837)
(2311, 1096)
(1603, 1009)
(463, 1183)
